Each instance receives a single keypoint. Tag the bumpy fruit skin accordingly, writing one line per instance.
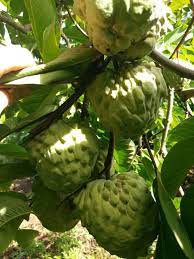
(141, 48)
(174, 80)
(120, 213)
(65, 155)
(127, 101)
(54, 213)
(114, 25)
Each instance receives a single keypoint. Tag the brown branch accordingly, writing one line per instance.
(178, 69)
(184, 37)
(108, 161)
(84, 112)
(187, 94)
(8, 20)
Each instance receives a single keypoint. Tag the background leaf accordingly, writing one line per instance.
(16, 170)
(176, 165)
(25, 237)
(14, 151)
(174, 221)
(183, 131)
(187, 212)
(12, 205)
(43, 15)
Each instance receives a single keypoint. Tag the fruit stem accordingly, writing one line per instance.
(109, 158)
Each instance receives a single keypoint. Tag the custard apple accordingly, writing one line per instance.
(54, 213)
(127, 101)
(173, 79)
(120, 213)
(114, 25)
(65, 155)
(144, 46)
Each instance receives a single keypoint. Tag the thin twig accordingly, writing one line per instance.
(66, 39)
(163, 149)
(109, 158)
(177, 68)
(85, 105)
(150, 154)
(76, 24)
(184, 37)
(9, 21)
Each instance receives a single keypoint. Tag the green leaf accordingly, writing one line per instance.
(178, 4)
(176, 165)
(174, 220)
(183, 131)
(43, 14)
(16, 7)
(167, 246)
(12, 206)
(13, 151)
(187, 212)
(50, 48)
(124, 154)
(3, 129)
(25, 237)
(16, 170)
(8, 233)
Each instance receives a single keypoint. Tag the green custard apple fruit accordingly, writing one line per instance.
(65, 155)
(114, 25)
(54, 213)
(143, 47)
(174, 80)
(120, 213)
(127, 101)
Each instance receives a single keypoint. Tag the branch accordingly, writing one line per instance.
(109, 158)
(163, 149)
(184, 37)
(187, 94)
(84, 112)
(178, 69)
(66, 39)
(8, 20)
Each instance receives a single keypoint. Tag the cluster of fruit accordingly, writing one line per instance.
(119, 212)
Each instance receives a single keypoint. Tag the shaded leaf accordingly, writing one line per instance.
(187, 212)
(16, 170)
(174, 220)
(14, 151)
(8, 232)
(25, 237)
(12, 205)
(176, 165)
(183, 131)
